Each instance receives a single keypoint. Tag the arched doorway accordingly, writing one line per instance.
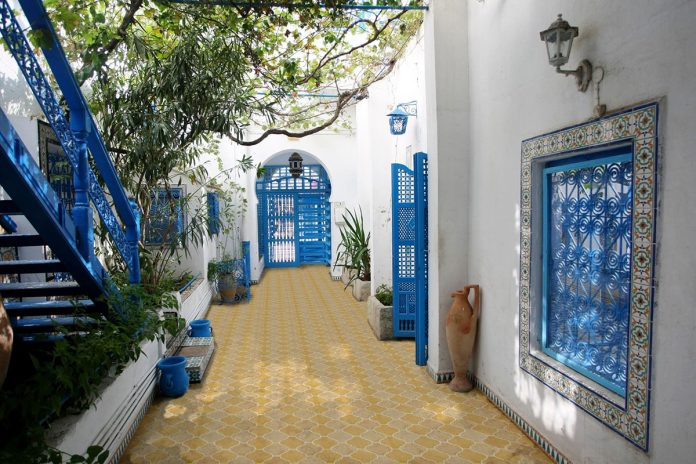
(294, 216)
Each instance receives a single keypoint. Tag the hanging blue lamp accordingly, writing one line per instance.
(398, 119)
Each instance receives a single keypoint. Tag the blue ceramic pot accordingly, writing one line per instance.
(200, 328)
(174, 380)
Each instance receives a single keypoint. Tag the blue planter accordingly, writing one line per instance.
(200, 328)
(174, 380)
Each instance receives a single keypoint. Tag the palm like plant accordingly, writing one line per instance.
(353, 252)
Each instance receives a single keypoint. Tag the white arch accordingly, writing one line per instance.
(281, 158)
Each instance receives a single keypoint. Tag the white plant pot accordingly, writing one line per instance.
(361, 289)
(380, 318)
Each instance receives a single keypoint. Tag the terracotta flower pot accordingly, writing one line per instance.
(461, 335)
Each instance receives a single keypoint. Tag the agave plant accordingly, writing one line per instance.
(353, 252)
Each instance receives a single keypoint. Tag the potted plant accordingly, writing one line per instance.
(353, 254)
(379, 313)
(221, 274)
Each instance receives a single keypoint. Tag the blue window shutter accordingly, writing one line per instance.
(213, 213)
(165, 225)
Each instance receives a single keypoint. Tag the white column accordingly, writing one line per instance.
(448, 142)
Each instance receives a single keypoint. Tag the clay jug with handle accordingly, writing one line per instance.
(461, 335)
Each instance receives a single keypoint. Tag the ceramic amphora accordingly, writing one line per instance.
(461, 335)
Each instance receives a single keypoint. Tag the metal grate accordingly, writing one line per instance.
(587, 266)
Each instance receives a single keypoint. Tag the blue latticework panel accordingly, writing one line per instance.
(404, 251)
(294, 216)
(587, 266)
(420, 168)
(281, 235)
(166, 220)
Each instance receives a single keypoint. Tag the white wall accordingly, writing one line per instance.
(380, 149)
(648, 51)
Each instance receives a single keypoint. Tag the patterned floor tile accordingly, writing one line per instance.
(299, 377)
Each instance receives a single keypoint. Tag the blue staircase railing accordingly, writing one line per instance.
(22, 178)
(75, 137)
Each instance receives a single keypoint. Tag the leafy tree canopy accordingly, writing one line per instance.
(166, 79)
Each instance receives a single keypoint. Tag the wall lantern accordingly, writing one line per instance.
(398, 118)
(295, 162)
(559, 40)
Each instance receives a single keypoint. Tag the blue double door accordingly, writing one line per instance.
(298, 228)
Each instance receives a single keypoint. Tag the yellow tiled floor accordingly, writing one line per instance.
(299, 377)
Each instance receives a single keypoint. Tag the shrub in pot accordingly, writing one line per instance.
(354, 254)
(221, 274)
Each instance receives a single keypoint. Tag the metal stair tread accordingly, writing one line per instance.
(41, 308)
(9, 207)
(39, 289)
(38, 323)
(31, 266)
(8, 240)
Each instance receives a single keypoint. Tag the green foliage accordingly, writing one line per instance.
(65, 377)
(353, 252)
(218, 268)
(385, 295)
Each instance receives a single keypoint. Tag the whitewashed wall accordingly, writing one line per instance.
(648, 51)
(379, 149)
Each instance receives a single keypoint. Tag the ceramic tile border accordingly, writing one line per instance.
(639, 126)
(118, 454)
(523, 425)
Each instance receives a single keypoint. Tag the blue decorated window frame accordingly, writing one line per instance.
(636, 128)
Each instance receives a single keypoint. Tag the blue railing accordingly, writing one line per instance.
(75, 137)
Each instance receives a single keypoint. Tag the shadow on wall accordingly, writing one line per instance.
(555, 413)
(16, 98)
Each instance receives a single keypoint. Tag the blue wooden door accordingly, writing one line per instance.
(403, 251)
(410, 253)
(294, 216)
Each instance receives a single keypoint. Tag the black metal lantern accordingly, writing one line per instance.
(295, 162)
(398, 119)
(559, 41)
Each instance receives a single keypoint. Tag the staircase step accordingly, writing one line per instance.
(21, 289)
(48, 308)
(31, 266)
(51, 324)
(9, 207)
(20, 240)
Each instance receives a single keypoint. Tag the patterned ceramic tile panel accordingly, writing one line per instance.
(298, 377)
(638, 126)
